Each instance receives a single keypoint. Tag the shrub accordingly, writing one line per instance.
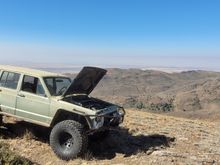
(140, 105)
(10, 158)
(165, 107)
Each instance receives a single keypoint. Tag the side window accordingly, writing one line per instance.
(9, 80)
(32, 85)
(40, 89)
(3, 79)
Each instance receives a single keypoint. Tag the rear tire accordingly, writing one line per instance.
(68, 139)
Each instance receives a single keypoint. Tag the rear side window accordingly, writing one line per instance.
(9, 80)
(32, 85)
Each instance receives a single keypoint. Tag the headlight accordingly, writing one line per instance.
(121, 111)
(98, 119)
(98, 122)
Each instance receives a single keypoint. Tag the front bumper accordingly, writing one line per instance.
(115, 118)
(112, 119)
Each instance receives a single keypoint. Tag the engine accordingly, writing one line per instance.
(87, 102)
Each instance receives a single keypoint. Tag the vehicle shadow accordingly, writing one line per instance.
(121, 141)
(22, 129)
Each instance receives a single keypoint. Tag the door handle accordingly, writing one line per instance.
(0, 90)
(21, 95)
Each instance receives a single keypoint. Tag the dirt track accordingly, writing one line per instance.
(144, 138)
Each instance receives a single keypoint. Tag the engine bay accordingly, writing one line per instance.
(87, 102)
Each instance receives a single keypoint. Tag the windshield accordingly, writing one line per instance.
(57, 85)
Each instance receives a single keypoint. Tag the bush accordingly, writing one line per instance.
(165, 107)
(10, 158)
(132, 102)
(140, 105)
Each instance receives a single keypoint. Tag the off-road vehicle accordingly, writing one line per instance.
(55, 101)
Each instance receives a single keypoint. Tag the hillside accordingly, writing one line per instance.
(144, 138)
(196, 93)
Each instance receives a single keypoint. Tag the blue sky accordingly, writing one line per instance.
(179, 33)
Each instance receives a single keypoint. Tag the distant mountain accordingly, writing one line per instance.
(158, 91)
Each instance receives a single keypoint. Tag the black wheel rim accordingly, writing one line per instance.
(66, 141)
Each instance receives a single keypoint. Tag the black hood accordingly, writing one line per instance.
(85, 81)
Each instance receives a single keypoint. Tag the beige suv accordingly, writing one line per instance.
(55, 101)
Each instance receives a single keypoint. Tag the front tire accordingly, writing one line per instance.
(68, 139)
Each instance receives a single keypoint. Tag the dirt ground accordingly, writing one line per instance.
(144, 138)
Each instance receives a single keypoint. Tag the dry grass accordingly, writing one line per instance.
(144, 138)
(7, 157)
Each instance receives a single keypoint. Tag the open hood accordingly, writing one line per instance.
(85, 81)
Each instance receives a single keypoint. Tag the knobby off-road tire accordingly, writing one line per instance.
(68, 139)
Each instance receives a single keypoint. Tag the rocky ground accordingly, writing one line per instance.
(144, 138)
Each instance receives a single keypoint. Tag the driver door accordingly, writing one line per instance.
(32, 102)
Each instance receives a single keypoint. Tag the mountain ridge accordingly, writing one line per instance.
(157, 91)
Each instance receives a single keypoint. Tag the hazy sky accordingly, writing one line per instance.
(176, 33)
